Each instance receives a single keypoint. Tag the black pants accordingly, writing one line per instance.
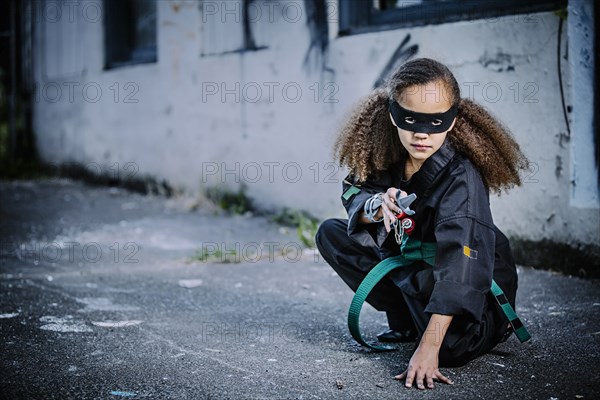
(464, 339)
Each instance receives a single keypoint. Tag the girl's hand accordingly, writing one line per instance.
(389, 208)
(423, 367)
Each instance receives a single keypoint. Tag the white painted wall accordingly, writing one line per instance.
(178, 132)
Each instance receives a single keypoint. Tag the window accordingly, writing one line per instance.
(130, 32)
(359, 16)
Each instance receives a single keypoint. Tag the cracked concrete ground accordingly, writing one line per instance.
(99, 298)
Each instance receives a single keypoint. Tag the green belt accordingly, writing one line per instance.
(414, 250)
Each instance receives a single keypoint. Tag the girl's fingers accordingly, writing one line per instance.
(420, 377)
(389, 199)
(391, 216)
(391, 192)
(388, 217)
(401, 376)
(410, 377)
(429, 381)
(392, 205)
(442, 378)
(386, 221)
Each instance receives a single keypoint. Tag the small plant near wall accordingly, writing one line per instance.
(209, 255)
(233, 202)
(305, 224)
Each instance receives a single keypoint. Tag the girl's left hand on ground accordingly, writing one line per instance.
(423, 368)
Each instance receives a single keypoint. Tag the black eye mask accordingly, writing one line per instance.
(422, 122)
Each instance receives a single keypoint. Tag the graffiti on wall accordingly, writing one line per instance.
(403, 53)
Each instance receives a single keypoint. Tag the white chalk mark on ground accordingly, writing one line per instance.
(123, 394)
(250, 374)
(10, 315)
(116, 324)
(190, 283)
(213, 350)
(103, 304)
(170, 242)
(66, 324)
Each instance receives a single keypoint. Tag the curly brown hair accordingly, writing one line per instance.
(368, 142)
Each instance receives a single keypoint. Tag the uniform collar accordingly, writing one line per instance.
(431, 168)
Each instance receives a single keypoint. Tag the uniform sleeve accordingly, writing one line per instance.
(354, 197)
(465, 237)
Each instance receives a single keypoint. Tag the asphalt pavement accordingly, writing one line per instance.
(108, 294)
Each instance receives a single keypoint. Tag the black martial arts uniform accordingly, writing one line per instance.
(452, 209)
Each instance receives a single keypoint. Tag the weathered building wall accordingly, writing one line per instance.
(207, 115)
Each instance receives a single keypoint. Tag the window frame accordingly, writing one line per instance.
(359, 16)
(113, 49)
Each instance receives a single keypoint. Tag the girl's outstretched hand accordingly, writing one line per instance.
(423, 368)
(389, 206)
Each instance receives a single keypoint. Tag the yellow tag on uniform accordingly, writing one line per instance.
(469, 252)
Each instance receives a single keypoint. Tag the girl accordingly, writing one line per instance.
(419, 136)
